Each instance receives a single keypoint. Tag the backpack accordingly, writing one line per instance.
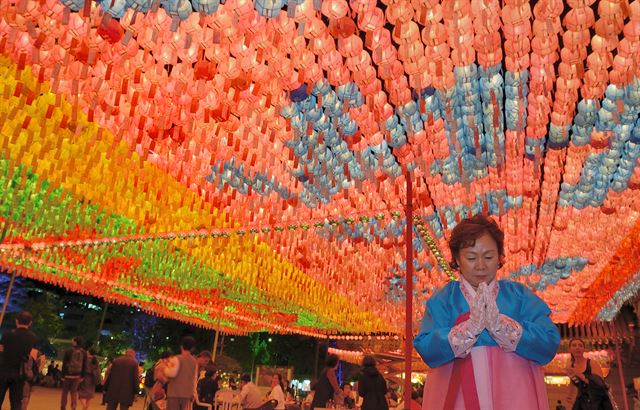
(76, 361)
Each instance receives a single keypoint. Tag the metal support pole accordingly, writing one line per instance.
(408, 330)
(621, 375)
(7, 296)
(221, 349)
(3, 235)
(215, 341)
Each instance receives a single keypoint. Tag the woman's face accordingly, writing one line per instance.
(274, 380)
(480, 262)
(576, 347)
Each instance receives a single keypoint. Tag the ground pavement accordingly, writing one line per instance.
(44, 398)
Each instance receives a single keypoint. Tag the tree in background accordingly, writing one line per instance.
(87, 328)
(142, 334)
(45, 308)
(259, 350)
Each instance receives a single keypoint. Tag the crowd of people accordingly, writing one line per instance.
(369, 392)
(176, 382)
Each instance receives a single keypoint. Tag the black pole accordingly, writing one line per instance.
(7, 296)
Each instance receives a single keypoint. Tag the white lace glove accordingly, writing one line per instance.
(491, 312)
(504, 330)
(463, 336)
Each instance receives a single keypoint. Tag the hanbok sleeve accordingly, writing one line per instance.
(540, 337)
(432, 343)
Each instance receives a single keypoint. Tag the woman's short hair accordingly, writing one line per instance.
(466, 233)
(332, 360)
(368, 361)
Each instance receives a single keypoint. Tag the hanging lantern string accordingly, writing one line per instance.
(201, 233)
(433, 246)
(214, 312)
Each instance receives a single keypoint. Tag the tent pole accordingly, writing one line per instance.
(408, 330)
(7, 296)
(625, 402)
(13, 277)
(215, 341)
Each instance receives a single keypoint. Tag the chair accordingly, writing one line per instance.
(201, 404)
(227, 400)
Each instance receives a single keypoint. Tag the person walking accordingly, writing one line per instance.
(15, 345)
(121, 382)
(372, 387)
(92, 377)
(73, 367)
(327, 385)
(182, 376)
(33, 369)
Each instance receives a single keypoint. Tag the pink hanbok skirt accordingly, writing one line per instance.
(503, 381)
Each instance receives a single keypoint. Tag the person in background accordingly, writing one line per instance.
(586, 377)
(74, 365)
(306, 404)
(277, 391)
(636, 401)
(183, 375)
(327, 385)
(158, 389)
(205, 363)
(372, 387)
(478, 326)
(349, 399)
(92, 377)
(121, 382)
(250, 396)
(15, 347)
(288, 390)
(560, 406)
(57, 375)
(107, 369)
(36, 361)
(232, 384)
(207, 388)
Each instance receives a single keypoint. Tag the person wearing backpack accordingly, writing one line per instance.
(32, 374)
(73, 368)
(15, 345)
(92, 378)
